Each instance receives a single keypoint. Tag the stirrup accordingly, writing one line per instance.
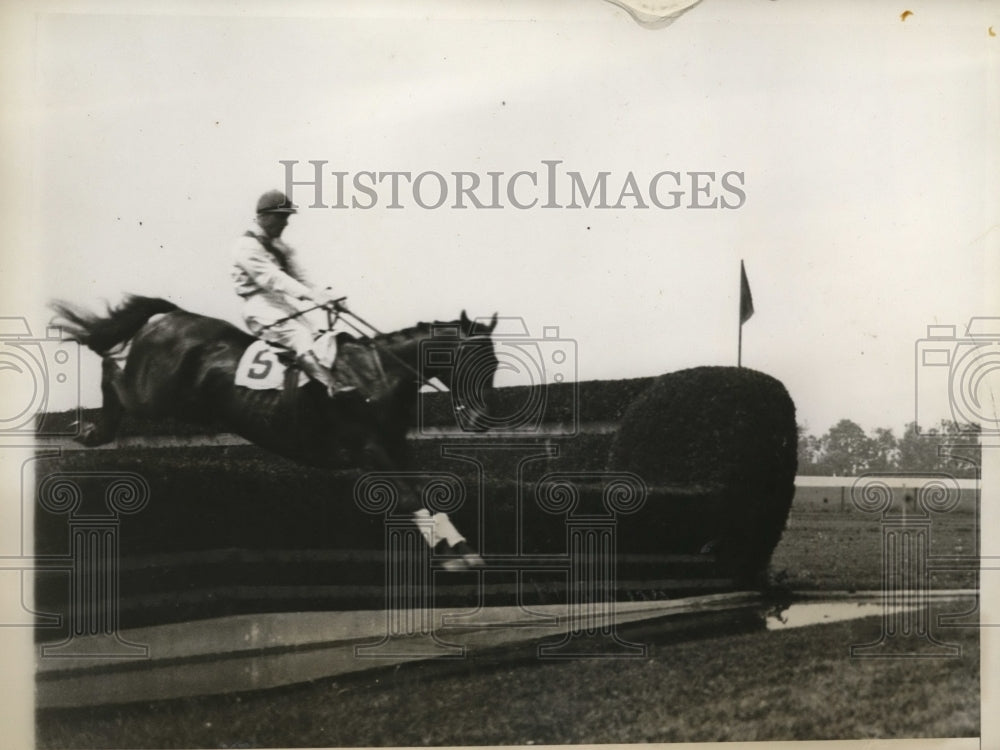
(337, 390)
(347, 392)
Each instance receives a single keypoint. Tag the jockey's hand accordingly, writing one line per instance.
(326, 298)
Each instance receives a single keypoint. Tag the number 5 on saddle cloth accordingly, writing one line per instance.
(265, 366)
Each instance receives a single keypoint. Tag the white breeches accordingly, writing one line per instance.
(260, 314)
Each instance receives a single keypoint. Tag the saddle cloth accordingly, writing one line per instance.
(260, 368)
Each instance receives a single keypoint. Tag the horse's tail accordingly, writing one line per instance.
(121, 323)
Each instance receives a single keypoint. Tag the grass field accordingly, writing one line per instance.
(833, 546)
(718, 684)
(831, 552)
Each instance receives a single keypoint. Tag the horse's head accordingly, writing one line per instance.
(460, 354)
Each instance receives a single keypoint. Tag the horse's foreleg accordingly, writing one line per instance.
(104, 429)
(441, 535)
(436, 529)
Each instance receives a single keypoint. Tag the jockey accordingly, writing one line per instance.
(268, 277)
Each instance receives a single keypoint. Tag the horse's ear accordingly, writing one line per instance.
(493, 322)
(466, 323)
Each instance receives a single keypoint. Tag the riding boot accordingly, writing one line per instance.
(312, 367)
(336, 387)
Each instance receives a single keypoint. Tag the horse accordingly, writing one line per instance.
(182, 365)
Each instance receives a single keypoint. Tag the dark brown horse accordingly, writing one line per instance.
(182, 365)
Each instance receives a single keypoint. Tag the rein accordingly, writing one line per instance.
(341, 311)
(335, 311)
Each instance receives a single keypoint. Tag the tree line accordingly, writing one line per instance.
(846, 450)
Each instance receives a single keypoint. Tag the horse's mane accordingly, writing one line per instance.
(402, 335)
(421, 329)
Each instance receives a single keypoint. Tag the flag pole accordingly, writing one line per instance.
(739, 349)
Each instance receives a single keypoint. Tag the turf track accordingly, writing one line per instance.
(718, 680)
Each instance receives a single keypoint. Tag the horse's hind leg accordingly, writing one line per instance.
(104, 429)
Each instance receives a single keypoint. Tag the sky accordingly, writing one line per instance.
(866, 146)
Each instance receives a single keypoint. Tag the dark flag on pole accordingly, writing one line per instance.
(746, 299)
